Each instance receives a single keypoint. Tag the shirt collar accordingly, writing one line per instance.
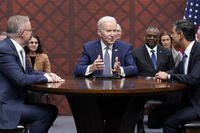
(103, 45)
(189, 48)
(17, 45)
(149, 49)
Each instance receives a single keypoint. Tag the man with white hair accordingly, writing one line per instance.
(105, 57)
(92, 59)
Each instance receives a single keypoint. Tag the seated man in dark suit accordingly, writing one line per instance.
(151, 58)
(16, 75)
(94, 62)
(188, 72)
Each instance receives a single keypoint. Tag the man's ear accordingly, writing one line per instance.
(21, 33)
(99, 32)
(180, 35)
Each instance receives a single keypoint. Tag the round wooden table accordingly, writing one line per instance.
(89, 97)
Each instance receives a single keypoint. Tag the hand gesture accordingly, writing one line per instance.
(117, 66)
(97, 64)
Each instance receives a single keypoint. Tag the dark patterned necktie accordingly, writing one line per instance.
(153, 59)
(107, 68)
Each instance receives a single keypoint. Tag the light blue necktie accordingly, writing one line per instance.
(153, 59)
(107, 68)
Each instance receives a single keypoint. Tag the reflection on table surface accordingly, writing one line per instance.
(133, 85)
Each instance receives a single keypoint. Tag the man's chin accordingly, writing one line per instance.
(111, 42)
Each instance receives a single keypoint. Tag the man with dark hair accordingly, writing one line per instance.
(187, 72)
(151, 58)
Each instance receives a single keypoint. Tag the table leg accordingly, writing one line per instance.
(86, 114)
(90, 118)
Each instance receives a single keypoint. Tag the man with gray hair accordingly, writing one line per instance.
(119, 32)
(105, 57)
(92, 59)
(16, 74)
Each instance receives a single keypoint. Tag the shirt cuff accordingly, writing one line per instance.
(168, 76)
(87, 72)
(122, 72)
(48, 77)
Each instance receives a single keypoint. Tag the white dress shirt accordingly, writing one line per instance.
(187, 52)
(149, 51)
(20, 48)
(103, 48)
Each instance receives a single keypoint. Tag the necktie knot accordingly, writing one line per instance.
(185, 55)
(152, 51)
(107, 48)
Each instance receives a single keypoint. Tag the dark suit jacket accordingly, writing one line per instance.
(145, 66)
(13, 82)
(120, 49)
(192, 79)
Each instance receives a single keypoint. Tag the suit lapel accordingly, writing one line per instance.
(15, 53)
(159, 56)
(115, 53)
(147, 57)
(191, 56)
(98, 50)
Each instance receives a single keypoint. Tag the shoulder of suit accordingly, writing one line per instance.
(92, 42)
(122, 42)
(5, 44)
(140, 48)
(161, 48)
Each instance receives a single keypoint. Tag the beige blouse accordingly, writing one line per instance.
(41, 62)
